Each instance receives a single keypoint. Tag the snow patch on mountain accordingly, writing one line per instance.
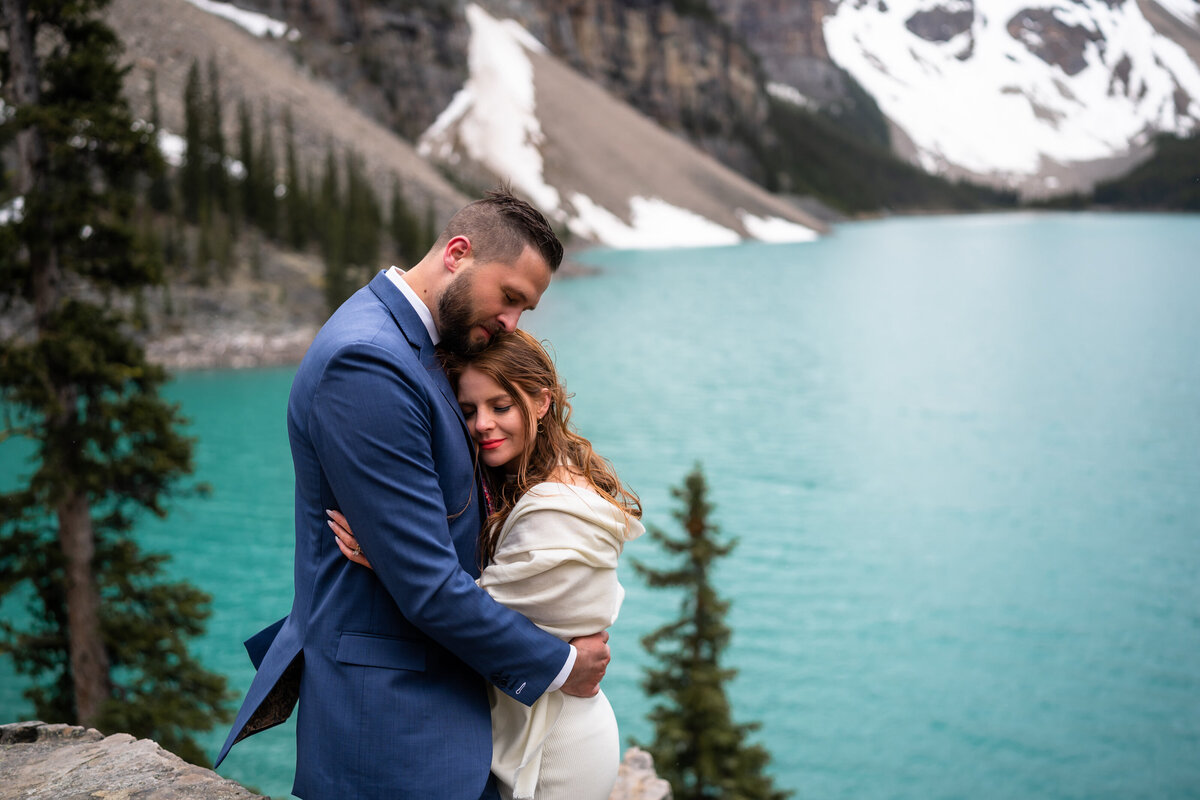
(172, 146)
(997, 86)
(256, 23)
(789, 94)
(1186, 11)
(13, 211)
(776, 230)
(493, 117)
(655, 224)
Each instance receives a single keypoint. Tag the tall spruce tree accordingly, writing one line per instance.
(267, 204)
(214, 140)
(193, 175)
(697, 746)
(296, 201)
(250, 192)
(363, 219)
(405, 228)
(105, 638)
(331, 213)
(159, 194)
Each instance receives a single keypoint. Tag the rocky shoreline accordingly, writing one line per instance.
(231, 348)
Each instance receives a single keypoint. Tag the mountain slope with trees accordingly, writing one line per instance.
(1168, 180)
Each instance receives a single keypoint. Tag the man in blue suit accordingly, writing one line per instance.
(388, 665)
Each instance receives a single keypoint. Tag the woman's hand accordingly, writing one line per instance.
(345, 539)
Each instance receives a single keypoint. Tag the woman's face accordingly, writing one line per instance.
(495, 419)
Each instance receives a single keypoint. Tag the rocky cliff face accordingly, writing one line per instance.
(401, 61)
(671, 60)
(787, 37)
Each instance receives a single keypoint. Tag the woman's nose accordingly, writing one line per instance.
(483, 421)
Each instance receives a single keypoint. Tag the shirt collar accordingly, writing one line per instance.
(396, 276)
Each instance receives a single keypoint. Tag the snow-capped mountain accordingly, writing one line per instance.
(1035, 94)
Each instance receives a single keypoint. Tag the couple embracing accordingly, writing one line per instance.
(446, 640)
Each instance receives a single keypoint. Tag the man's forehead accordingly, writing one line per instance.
(528, 273)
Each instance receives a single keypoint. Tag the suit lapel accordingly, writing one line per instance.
(418, 337)
(415, 332)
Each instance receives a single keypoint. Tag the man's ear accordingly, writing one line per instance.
(455, 251)
(543, 403)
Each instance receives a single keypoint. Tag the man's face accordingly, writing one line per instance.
(486, 298)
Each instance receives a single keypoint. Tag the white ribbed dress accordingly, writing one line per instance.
(556, 562)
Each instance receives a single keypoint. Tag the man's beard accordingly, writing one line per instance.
(456, 314)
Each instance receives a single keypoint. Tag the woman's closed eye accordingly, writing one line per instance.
(469, 411)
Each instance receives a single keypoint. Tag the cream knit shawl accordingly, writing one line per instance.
(556, 563)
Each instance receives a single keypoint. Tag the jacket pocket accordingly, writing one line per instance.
(369, 650)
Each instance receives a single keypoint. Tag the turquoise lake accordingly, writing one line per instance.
(962, 457)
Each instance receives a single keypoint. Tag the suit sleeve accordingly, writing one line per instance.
(370, 422)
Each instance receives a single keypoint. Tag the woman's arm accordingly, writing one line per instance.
(556, 565)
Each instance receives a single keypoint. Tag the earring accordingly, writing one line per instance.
(540, 429)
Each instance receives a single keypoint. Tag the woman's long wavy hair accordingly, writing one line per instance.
(522, 367)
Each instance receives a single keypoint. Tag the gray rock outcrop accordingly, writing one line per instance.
(637, 780)
(66, 762)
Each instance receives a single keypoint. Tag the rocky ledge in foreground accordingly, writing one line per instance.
(63, 762)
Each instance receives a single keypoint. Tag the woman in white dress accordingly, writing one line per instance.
(558, 520)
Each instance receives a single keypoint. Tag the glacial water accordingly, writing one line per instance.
(962, 457)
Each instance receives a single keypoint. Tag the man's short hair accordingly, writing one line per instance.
(500, 226)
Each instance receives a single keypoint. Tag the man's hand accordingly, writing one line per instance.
(591, 661)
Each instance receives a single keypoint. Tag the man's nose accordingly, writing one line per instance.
(509, 319)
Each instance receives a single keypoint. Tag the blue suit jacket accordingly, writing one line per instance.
(386, 663)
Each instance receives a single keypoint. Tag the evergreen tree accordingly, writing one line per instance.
(430, 230)
(331, 218)
(267, 201)
(105, 644)
(405, 228)
(296, 200)
(249, 190)
(364, 222)
(216, 156)
(697, 746)
(193, 182)
(160, 185)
